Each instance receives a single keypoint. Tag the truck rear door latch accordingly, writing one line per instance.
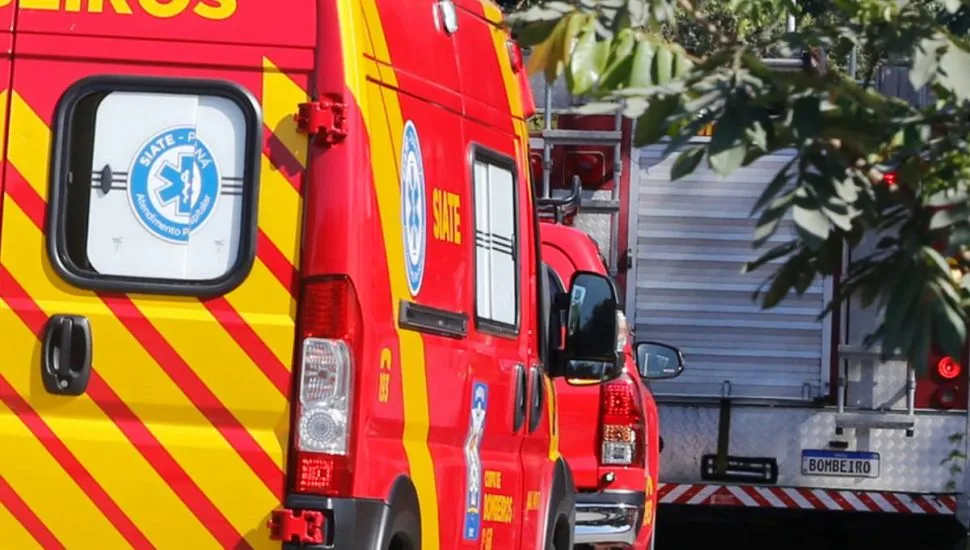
(325, 119)
(297, 526)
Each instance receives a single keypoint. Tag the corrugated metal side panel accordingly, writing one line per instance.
(692, 237)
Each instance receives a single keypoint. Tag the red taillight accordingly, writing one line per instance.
(323, 475)
(330, 310)
(889, 178)
(328, 349)
(621, 424)
(948, 368)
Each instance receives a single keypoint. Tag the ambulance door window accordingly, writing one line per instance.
(496, 244)
(155, 190)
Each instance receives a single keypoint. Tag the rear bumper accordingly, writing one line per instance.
(351, 524)
(609, 517)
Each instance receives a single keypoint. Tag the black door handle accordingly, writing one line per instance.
(520, 398)
(538, 398)
(66, 363)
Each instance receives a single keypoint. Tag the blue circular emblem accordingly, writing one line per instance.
(413, 207)
(174, 184)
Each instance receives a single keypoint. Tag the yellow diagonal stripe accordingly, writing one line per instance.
(280, 99)
(270, 310)
(203, 343)
(141, 383)
(29, 144)
(280, 211)
(15, 534)
(47, 489)
(103, 448)
(382, 115)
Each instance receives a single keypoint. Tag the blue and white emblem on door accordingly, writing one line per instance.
(413, 207)
(174, 184)
(473, 462)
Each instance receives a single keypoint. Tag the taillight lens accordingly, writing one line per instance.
(330, 325)
(948, 368)
(621, 424)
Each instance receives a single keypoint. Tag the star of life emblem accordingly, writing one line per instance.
(174, 184)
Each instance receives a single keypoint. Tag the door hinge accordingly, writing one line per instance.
(325, 119)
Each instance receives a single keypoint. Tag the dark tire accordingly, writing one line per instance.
(405, 532)
(398, 543)
(403, 528)
(563, 536)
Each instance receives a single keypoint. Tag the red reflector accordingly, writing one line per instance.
(890, 178)
(302, 527)
(948, 368)
(322, 474)
(515, 55)
(330, 310)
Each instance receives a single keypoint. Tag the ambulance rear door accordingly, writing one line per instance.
(150, 251)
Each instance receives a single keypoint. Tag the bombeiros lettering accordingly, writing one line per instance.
(215, 10)
(821, 465)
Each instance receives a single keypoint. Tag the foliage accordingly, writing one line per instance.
(845, 137)
(954, 461)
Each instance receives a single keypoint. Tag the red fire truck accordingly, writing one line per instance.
(270, 276)
(780, 413)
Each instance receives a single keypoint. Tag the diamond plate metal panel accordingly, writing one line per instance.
(908, 464)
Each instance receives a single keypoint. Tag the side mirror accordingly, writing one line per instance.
(591, 327)
(657, 361)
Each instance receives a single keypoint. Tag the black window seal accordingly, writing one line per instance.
(479, 152)
(60, 167)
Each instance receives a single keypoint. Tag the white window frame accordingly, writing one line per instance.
(485, 320)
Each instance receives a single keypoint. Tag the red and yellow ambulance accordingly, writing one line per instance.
(270, 276)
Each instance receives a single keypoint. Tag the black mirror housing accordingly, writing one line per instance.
(658, 361)
(589, 311)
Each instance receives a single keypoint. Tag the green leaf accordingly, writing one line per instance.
(806, 118)
(770, 219)
(587, 62)
(784, 279)
(726, 149)
(948, 217)
(774, 253)
(682, 64)
(686, 162)
(949, 325)
(547, 56)
(773, 188)
(652, 126)
(812, 225)
(943, 61)
(663, 65)
(757, 134)
(936, 259)
(620, 62)
(960, 235)
(640, 71)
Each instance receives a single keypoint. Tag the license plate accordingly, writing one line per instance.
(840, 463)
